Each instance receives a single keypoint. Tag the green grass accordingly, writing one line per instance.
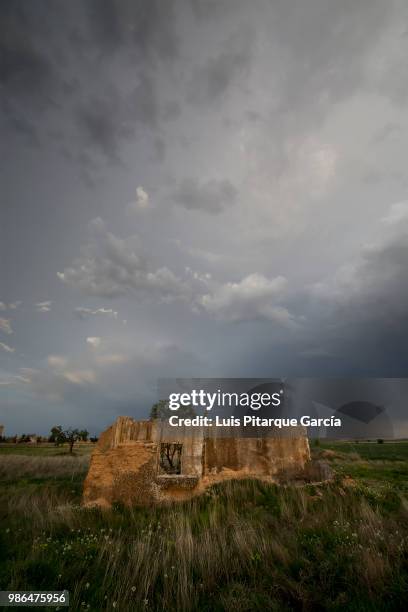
(379, 465)
(387, 451)
(44, 450)
(242, 546)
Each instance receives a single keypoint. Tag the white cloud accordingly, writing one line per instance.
(112, 359)
(79, 377)
(56, 381)
(56, 361)
(84, 313)
(24, 379)
(11, 306)
(94, 341)
(142, 197)
(43, 306)
(7, 348)
(5, 326)
(142, 201)
(254, 297)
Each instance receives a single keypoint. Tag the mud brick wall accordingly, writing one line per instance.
(125, 463)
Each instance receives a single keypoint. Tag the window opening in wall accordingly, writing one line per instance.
(170, 458)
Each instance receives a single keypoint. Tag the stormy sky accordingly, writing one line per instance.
(197, 188)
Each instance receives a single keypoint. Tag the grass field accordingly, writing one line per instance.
(243, 546)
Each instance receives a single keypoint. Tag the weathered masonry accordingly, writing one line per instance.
(137, 462)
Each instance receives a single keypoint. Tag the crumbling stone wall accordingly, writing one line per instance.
(125, 463)
(259, 457)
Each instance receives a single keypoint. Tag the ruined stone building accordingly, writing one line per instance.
(136, 462)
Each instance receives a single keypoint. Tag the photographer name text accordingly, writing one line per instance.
(253, 421)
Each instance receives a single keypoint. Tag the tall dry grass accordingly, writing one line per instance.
(21, 466)
(242, 546)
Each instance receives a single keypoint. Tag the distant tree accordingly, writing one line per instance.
(71, 436)
(83, 435)
(57, 435)
(93, 439)
(160, 410)
(380, 441)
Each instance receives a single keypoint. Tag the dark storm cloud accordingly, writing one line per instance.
(205, 10)
(146, 25)
(212, 79)
(143, 32)
(375, 287)
(210, 196)
(25, 68)
(362, 310)
(106, 120)
(100, 126)
(25, 128)
(29, 80)
(225, 141)
(53, 58)
(354, 324)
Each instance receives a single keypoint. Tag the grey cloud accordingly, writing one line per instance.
(85, 313)
(146, 25)
(5, 326)
(25, 128)
(43, 306)
(345, 32)
(278, 100)
(212, 79)
(55, 385)
(24, 67)
(159, 146)
(211, 196)
(30, 68)
(83, 386)
(171, 110)
(106, 120)
(213, 9)
(254, 297)
(362, 310)
(37, 78)
(112, 266)
(374, 286)
(100, 123)
(7, 348)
